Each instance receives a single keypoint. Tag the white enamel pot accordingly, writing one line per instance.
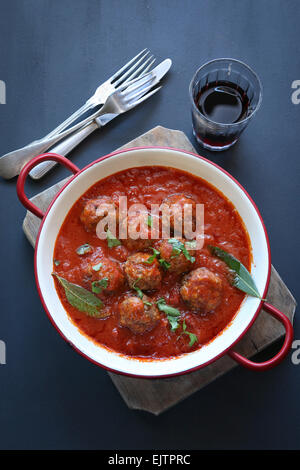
(182, 160)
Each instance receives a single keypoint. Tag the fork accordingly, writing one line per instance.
(120, 101)
(127, 96)
(121, 77)
(68, 144)
(135, 68)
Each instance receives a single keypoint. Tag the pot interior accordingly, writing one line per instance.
(145, 157)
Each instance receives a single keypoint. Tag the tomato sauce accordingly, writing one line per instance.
(223, 227)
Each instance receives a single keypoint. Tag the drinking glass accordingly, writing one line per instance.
(219, 136)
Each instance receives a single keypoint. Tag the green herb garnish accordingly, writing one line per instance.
(192, 245)
(179, 247)
(164, 264)
(140, 293)
(175, 252)
(137, 289)
(97, 267)
(152, 257)
(172, 313)
(149, 221)
(192, 336)
(111, 240)
(84, 249)
(241, 277)
(97, 286)
(56, 262)
(173, 321)
(81, 298)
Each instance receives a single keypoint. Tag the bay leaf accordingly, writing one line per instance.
(81, 298)
(242, 279)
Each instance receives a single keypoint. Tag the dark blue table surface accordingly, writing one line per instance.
(52, 57)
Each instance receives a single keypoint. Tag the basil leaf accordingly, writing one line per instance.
(191, 244)
(173, 321)
(97, 267)
(149, 221)
(172, 313)
(179, 247)
(175, 252)
(137, 289)
(97, 286)
(242, 278)
(192, 336)
(164, 264)
(140, 293)
(81, 298)
(164, 307)
(84, 249)
(176, 245)
(152, 257)
(111, 240)
(56, 262)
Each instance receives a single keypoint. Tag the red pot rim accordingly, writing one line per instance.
(193, 369)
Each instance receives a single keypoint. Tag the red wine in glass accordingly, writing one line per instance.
(225, 94)
(223, 102)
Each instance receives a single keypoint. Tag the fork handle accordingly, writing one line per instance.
(83, 109)
(63, 148)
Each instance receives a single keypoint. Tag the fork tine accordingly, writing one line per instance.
(141, 80)
(131, 86)
(148, 67)
(126, 74)
(139, 93)
(140, 70)
(121, 70)
(145, 97)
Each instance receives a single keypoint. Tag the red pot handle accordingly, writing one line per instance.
(283, 351)
(28, 167)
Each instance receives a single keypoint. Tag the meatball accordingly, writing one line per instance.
(177, 204)
(107, 270)
(202, 290)
(138, 230)
(139, 315)
(95, 210)
(140, 273)
(179, 261)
